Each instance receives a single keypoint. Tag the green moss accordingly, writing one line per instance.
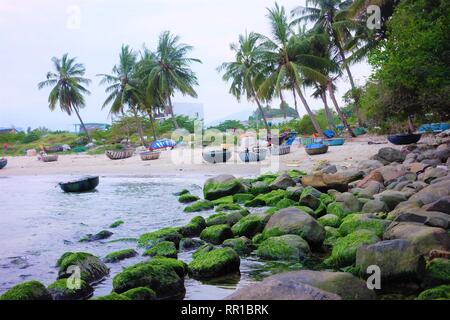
(92, 269)
(203, 249)
(148, 240)
(180, 193)
(437, 293)
(287, 247)
(295, 174)
(243, 197)
(437, 272)
(308, 210)
(123, 240)
(272, 198)
(163, 249)
(194, 227)
(248, 226)
(330, 220)
(271, 210)
(140, 293)
(60, 291)
(228, 207)
(216, 234)
(187, 198)
(331, 236)
(355, 222)
(223, 200)
(326, 198)
(254, 203)
(113, 296)
(266, 177)
(214, 263)
(260, 187)
(229, 218)
(258, 238)
(336, 209)
(285, 203)
(213, 191)
(178, 266)
(30, 290)
(201, 205)
(120, 255)
(115, 224)
(241, 245)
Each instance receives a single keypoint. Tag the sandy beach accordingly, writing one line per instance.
(184, 161)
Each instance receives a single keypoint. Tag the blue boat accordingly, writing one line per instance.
(316, 148)
(3, 163)
(334, 142)
(162, 144)
(434, 127)
(404, 139)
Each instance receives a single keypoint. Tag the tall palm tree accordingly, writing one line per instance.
(284, 61)
(245, 72)
(68, 89)
(332, 17)
(172, 72)
(117, 87)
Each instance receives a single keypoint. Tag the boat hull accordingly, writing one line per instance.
(162, 144)
(3, 163)
(281, 150)
(334, 142)
(316, 150)
(306, 141)
(151, 155)
(217, 156)
(253, 156)
(80, 185)
(404, 139)
(118, 155)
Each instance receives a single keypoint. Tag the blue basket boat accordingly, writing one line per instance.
(316, 148)
(307, 141)
(403, 139)
(3, 163)
(334, 142)
(162, 144)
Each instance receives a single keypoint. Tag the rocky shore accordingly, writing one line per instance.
(391, 211)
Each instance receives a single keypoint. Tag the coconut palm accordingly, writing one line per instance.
(172, 72)
(245, 72)
(68, 87)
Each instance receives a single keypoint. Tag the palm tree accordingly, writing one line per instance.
(245, 72)
(285, 62)
(332, 17)
(68, 89)
(172, 72)
(118, 84)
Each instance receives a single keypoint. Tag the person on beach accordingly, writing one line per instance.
(5, 147)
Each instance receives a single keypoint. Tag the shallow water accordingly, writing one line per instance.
(38, 223)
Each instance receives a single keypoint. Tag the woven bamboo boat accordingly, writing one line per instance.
(334, 142)
(117, 155)
(149, 155)
(253, 156)
(80, 185)
(307, 141)
(49, 158)
(404, 139)
(3, 163)
(217, 156)
(281, 150)
(316, 148)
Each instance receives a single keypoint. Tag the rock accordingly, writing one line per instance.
(273, 288)
(285, 203)
(190, 244)
(140, 293)
(180, 193)
(397, 260)
(310, 198)
(231, 207)
(227, 200)
(271, 198)
(388, 155)
(429, 218)
(391, 198)
(115, 224)
(432, 193)
(159, 277)
(391, 173)
(283, 181)
(354, 222)
(221, 186)
(243, 197)
(62, 290)
(287, 247)
(437, 293)
(112, 296)
(295, 221)
(371, 188)
(29, 290)
(441, 205)
(373, 176)
(216, 234)
(349, 202)
(194, 227)
(431, 174)
(149, 240)
(416, 167)
(91, 268)
(437, 272)
(215, 263)
(120, 255)
(423, 237)
(162, 249)
(330, 220)
(104, 234)
(369, 165)
(229, 218)
(248, 226)
(294, 193)
(200, 205)
(338, 181)
(178, 266)
(259, 187)
(188, 198)
(203, 249)
(375, 206)
(241, 245)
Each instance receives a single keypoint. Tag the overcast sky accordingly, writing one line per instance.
(34, 31)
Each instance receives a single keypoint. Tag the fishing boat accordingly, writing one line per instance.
(3, 162)
(403, 139)
(83, 184)
(149, 155)
(49, 158)
(334, 142)
(258, 154)
(118, 155)
(281, 150)
(217, 156)
(316, 148)
(162, 144)
(306, 141)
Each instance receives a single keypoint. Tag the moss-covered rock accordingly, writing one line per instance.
(194, 227)
(177, 265)
(215, 263)
(243, 197)
(180, 193)
(140, 293)
(287, 247)
(294, 193)
(355, 222)
(272, 198)
(187, 198)
(437, 272)
(285, 203)
(216, 234)
(120, 255)
(229, 218)
(113, 296)
(255, 203)
(30, 290)
(436, 293)
(344, 249)
(331, 236)
(187, 244)
(241, 245)
(228, 207)
(92, 269)
(223, 200)
(203, 249)
(221, 186)
(248, 226)
(159, 277)
(104, 234)
(283, 181)
(163, 249)
(330, 220)
(310, 197)
(150, 239)
(115, 224)
(200, 205)
(258, 239)
(260, 187)
(62, 290)
(337, 209)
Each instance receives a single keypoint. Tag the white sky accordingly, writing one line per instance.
(34, 31)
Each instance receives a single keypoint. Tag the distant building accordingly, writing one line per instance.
(91, 127)
(8, 130)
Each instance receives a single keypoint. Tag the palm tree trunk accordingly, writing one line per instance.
(338, 110)
(328, 113)
(310, 113)
(152, 122)
(139, 126)
(82, 124)
(262, 113)
(282, 103)
(174, 119)
(295, 101)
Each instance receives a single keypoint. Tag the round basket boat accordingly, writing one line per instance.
(307, 141)
(117, 155)
(217, 156)
(3, 163)
(149, 155)
(83, 184)
(316, 148)
(253, 156)
(334, 142)
(281, 150)
(403, 139)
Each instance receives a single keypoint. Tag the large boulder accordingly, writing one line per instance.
(150, 239)
(61, 290)
(214, 263)
(120, 255)
(249, 226)
(193, 228)
(429, 218)
(432, 193)
(391, 197)
(216, 234)
(373, 206)
(391, 173)
(388, 155)
(287, 247)
(441, 205)
(398, 259)
(221, 186)
(437, 272)
(283, 181)
(91, 268)
(30, 290)
(229, 218)
(241, 245)
(295, 221)
(338, 181)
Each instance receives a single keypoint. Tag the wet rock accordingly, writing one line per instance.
(150, 239)
(287, 247)
(229, 218)
(437, 272)
(432, 193)
(441, 205)
(375, 206)
(162, 249)
(388, 155)
(200, 205)
(104, 234)
(91, 268)
(188, 198)
(190, 244)
(194, 227)
(282, 182)
(140, 293)
(120, 255)
(338, 181)
(29, 290)
(241, 245)
(391, 198)
(221, 186)
(249, 226)
(243, 197)
(64, 290)
(216, 234)
(215, 263)
(436, 293)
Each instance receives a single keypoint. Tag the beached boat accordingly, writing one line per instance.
(149, 155)
(256, 155)
(48, 158)
(118, 155)
(162, 144)
(334, 142)
(307, 141)
(83, 184)
(316, 148)
(403, 139)
(217, 156)
(3, 163)
(281, 150)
